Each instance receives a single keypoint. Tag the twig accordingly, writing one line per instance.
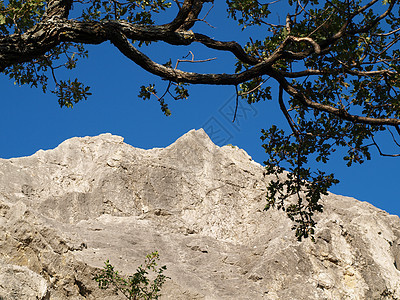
(386, 34)
(316, 29)
(177, 3)
(237, 103)
(192, 60)
(203, 19)
(286, 114)
(167, 90)
(257, 87)
(380, 152)
(394, 140)
(397, 129)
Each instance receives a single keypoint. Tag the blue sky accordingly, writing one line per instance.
(31, 120)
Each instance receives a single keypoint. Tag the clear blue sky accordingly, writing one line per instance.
(31, 120)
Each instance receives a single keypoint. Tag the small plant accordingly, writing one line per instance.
(138, 285)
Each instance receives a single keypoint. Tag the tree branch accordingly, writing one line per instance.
(379, 149)
(120, 41)
(187, 15)
(193, 14)
(232, 47)
(48, 34)
(56, 29)
(291, 90)
(182, 15)
(368, 26)
(286, 113)
(317, 48)
(57, 8)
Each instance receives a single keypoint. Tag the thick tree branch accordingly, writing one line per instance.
(233, 47)
(47, 35)
(121, 42)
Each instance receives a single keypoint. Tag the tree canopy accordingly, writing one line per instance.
(337, 61)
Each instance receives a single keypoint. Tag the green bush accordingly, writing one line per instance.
(138, 285)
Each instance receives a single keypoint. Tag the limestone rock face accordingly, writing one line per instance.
(63, 212)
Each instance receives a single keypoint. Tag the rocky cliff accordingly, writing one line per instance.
(63, 212)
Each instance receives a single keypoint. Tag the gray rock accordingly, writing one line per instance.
(63, 212)
(21, 283)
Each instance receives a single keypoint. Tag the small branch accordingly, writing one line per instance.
(192, 60)
(257, 87)
(307, 72)
(394, 139)
(192, 16)
(386, 34)
(365, 7)
(178, 4)
(286, 113)
(316, 29)
(397, 129)
(166, 91)
(303, 8)
(269, 24)
(388, 46)
(379, 149)
(195, 61)
(368, 26)
(237, 104)
(204, 18)
(288, 24)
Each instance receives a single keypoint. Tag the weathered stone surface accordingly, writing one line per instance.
(63, 212)
(21, 283)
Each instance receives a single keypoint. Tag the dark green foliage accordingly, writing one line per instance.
(18, 16)
(299, 190)
(358, 75)
(37, 73)
(71, 92)
(134, 11)
(138, 285)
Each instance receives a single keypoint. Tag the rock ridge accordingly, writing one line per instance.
(64, 211)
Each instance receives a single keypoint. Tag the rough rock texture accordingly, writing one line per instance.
(63, 212)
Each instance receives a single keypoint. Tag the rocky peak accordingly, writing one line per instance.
(63, 212)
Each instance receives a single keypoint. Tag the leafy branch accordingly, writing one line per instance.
(138, 285)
